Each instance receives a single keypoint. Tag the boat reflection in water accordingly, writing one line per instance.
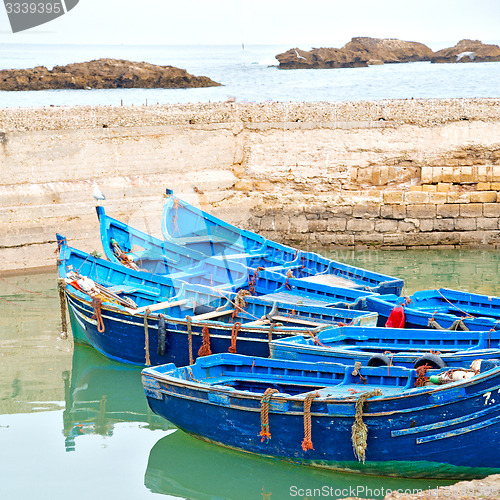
(185, 467)
(101, 393)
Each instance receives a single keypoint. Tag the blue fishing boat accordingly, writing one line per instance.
(335, 416)
(137, 250)
(195, 229)
(141, 318)
(375, 346)
(441, 308)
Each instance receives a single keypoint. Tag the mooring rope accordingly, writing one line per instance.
(96, 304)
(307, 441)
(61, 285)
(146, 336)
(265, 433)
(359, 431)
(270, 337)
(190, 339)
(234, 337)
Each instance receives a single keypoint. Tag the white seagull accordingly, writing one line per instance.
(470, 55)
(98, 194)
(299, 56)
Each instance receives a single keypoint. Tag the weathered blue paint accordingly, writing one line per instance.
(478, 312)
(124, 336)
(402, 347)
(195, 229)
(218, 399)
(181, 263)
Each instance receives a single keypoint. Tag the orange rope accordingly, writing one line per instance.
(422, 379)
(307, 441)
(205, 347)
(234, 337)
(252, 281)
(96, 304)
(264, 414)
(467, 315)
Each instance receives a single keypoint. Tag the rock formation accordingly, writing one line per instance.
(467, 51)
(101, 74)
(359, 52)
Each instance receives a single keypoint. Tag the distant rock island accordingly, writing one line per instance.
(468, 51)
(102, 74)
(366, 51)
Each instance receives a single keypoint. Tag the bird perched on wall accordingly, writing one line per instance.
(98, 194)
(470, 55)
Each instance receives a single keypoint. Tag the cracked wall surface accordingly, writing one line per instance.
(398, 174)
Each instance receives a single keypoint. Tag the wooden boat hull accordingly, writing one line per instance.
(239, 272)
(390, 346)
(478, 312)
(419, 433)
(133, 335)
(195, 229)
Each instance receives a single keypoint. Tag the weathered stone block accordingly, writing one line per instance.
(415, 188)
(471, 210)
(438, 198)
(448, 210)
(393, 239)
(416, 197)
(444, 225)
(443, 188)
(386, 226)
(457, 173)
(496, 173)
(466, 175)
(366, 211)
(336, 224)
(421, 211)
(299, 223)
(393, 197)
(282, 222)
(426, 225)
(406, 227)
(483, 186)
(465, 224)
(399, 211)
(426, 175)
(484, 197)
(447, 175)
(368, 239)
(429, 188)
(491, 209)
(487, 223)
(318, 226)
(458, 197)
(263, 186)
(437, 175)
(358, 225)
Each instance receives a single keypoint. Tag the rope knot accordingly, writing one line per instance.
(359, 431)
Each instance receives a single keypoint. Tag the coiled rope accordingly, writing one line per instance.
(265, 433)
(234, 337)
(307, 441)
(205, 347)
(359, 431)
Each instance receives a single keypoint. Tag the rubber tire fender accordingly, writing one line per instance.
(379, 360)
(433, 360)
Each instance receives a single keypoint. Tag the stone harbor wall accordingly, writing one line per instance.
(382, 174)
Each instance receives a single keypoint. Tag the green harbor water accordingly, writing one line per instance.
(74, 424)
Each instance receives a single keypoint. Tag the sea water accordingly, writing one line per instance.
(247, 73)
(74, 424)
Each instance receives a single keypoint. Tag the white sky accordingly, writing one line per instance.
(330, 23)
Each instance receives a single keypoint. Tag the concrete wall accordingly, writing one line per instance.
(386, 173)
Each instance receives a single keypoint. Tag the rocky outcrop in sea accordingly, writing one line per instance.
(366, 51)
(466, 51)
(101, 74)
(359, 52)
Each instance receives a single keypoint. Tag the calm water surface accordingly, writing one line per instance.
(74, 424)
